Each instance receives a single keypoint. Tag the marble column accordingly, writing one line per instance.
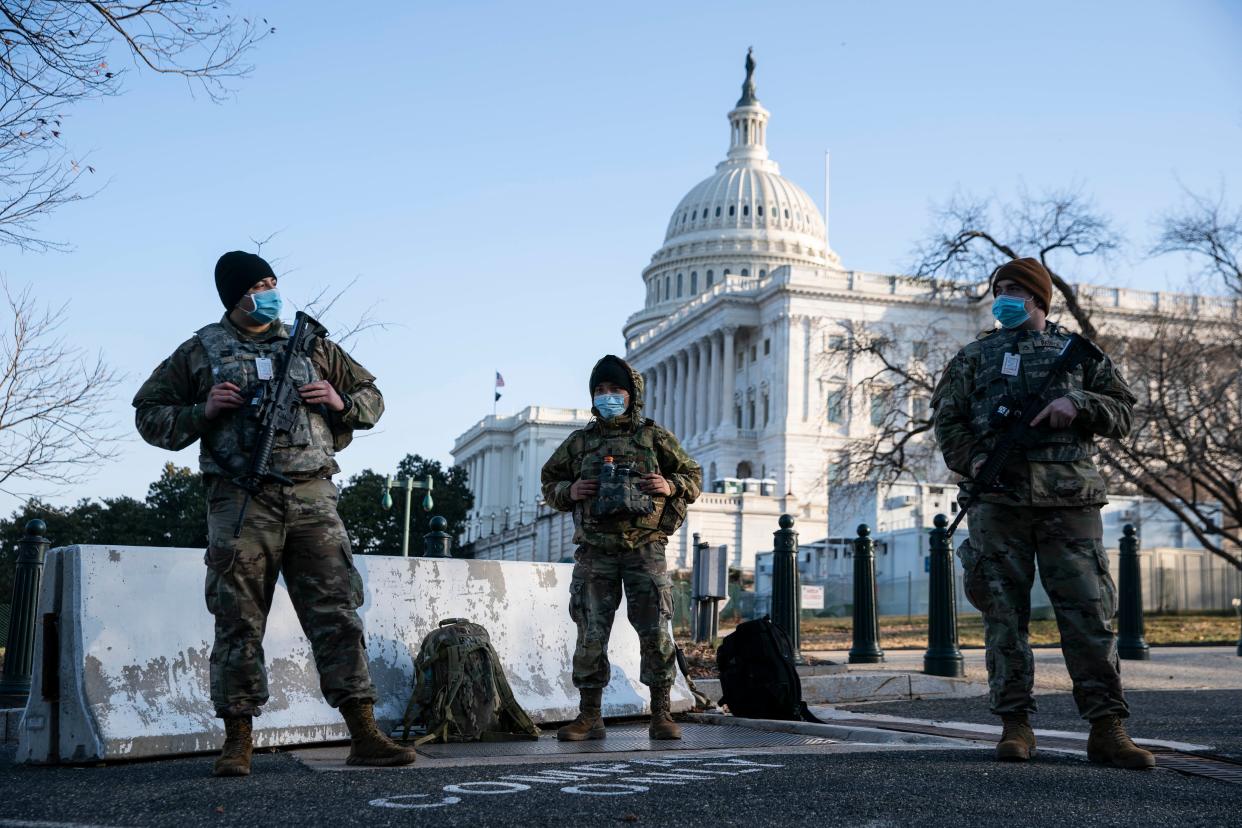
(683, 371)
(806, 368)
(726, 393)
(692, 397)
(652, 386)
(662, 370)
(674, 393)
(701, 421)
(784, 366)
(717, 381)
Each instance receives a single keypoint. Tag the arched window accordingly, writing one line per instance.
(746, 209)
(667, 282)
(760, 209)
(679, 285)
(731, 208)
(717, 212)
(694, 282)
(710, 278)
(727, 271)
(762, 273)
(786, 214)
(745, 272)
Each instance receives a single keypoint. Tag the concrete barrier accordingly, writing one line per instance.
(124, 640)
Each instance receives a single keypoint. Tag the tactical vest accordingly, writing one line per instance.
(635, 449)
(1036, 351)
(306, 451)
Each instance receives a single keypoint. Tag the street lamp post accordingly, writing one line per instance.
(409, 484)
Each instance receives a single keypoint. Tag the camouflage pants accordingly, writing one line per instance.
(294, 531)
(595, 593)
(999, 563)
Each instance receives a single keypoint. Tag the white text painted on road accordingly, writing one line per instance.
(623, 779)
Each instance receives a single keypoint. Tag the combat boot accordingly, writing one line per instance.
(238, 745)
(590, 723)
(367, 745)
(662, 725)
(1109, 744)
(1017, 742)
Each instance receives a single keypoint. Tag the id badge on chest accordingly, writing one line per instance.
(263, 365)
(1011, 365)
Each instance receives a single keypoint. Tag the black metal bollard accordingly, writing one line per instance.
(786, 595)
(437, 542)
(866, 649)
(23, 615)
(943, 658)
(1130, 641)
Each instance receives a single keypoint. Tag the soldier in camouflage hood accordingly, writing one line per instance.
(201, 393)
(627, 482)
(1050, 513)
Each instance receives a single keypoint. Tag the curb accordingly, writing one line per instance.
(990, 732)
(852, 687)
(841, 733)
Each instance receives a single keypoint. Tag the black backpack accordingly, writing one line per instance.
(758, 679)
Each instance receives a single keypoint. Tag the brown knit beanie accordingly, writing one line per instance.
(1030, 274)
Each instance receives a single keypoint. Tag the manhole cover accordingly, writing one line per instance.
(630, 738)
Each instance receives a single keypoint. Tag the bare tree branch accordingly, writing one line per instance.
(54, 54)
(52, 431)
(1206, 230)
(972, 237)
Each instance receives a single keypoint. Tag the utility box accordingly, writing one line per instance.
(711, 572)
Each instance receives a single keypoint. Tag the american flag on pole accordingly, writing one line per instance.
(500, 383)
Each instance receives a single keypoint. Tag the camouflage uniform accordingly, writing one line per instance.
(294, 530)
(628, 551)
(1051, 514)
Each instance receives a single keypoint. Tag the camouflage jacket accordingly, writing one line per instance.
(648, 447)
(1060, 473)
(171, 405)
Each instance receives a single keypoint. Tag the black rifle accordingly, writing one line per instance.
(275, 406)
(1013, 417)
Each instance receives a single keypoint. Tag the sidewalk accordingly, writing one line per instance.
(1170, 668)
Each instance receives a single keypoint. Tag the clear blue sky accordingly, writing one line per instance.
(497, 174)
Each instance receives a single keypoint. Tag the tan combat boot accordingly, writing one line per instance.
(1108, 744)
(1017, 741)
(238, 745)
(367, 745)
(662, 725)
(589, 724)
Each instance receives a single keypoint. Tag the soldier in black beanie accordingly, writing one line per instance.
(205, 393)
(236, 272)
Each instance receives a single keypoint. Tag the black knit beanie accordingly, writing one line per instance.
(612, 369)
(236, 272)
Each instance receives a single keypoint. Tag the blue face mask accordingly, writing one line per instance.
(609, 406)
(1010, 311)
(266, 306)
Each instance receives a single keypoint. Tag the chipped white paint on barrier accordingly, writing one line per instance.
(135, 642)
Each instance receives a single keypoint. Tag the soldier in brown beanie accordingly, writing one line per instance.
(1049, 513)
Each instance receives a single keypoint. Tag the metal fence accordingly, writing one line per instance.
(1174, 581)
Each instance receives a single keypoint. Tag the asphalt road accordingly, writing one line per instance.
(875, 789)
(1202, 717)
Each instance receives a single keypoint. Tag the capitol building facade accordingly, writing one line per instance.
(740, 341)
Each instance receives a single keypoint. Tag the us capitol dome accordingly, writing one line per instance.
(744, 220)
